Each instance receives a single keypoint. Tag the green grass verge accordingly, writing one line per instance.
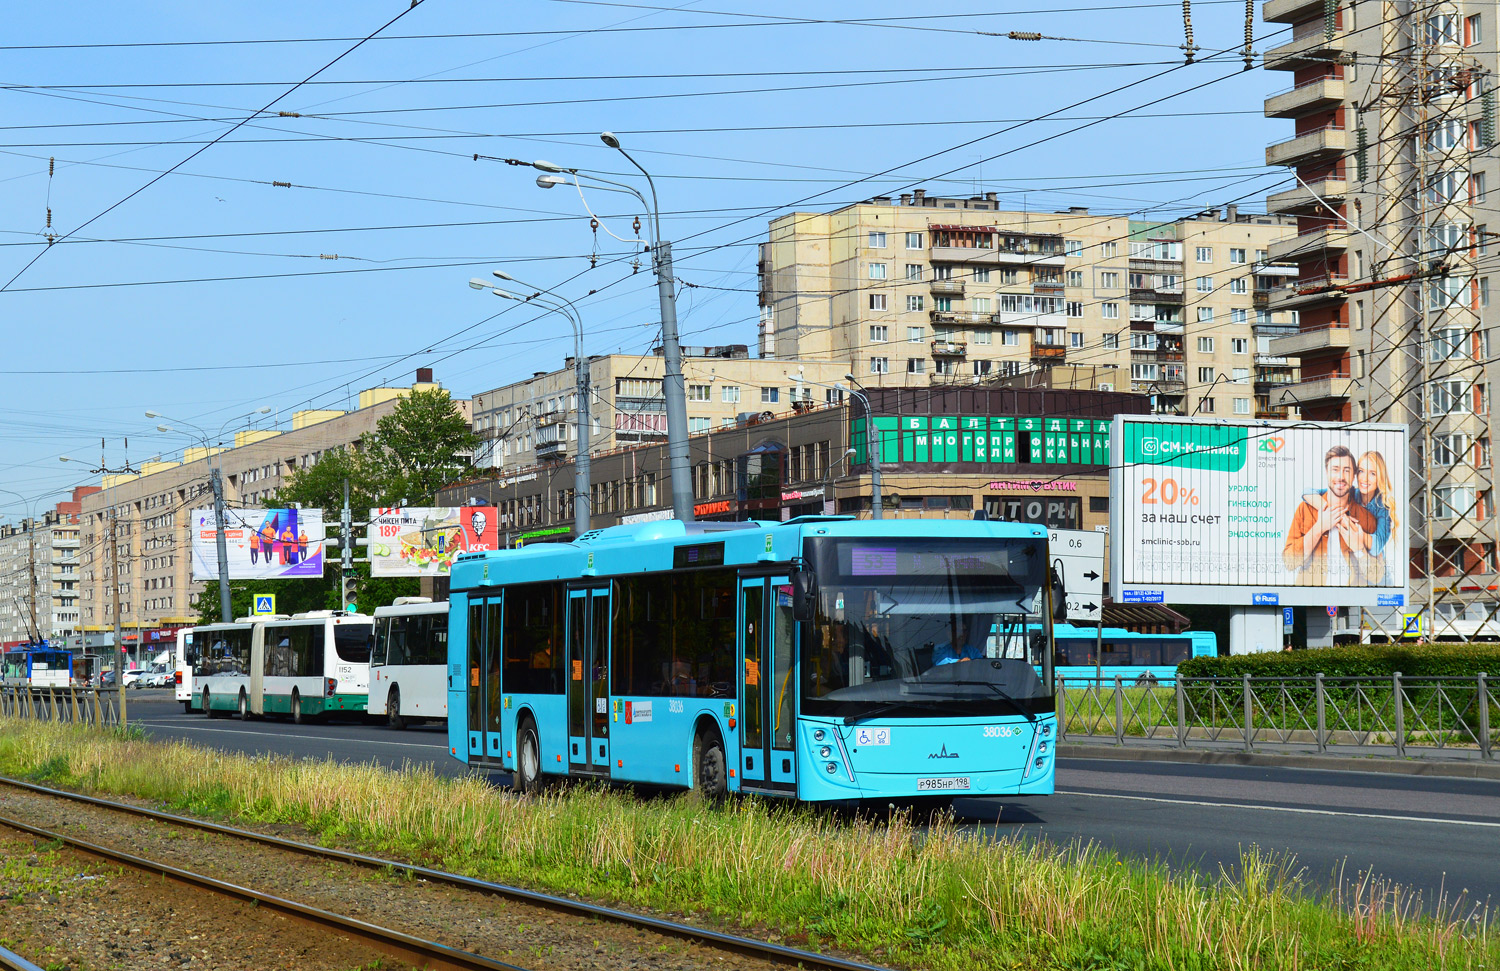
(892, 892)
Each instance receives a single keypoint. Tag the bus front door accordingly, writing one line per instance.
(767, 685)
(588, 680)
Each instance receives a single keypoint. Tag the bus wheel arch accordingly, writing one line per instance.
(710, 764)
(528, 771)
(393, 708)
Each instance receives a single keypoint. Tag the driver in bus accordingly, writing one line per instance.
(968, 635)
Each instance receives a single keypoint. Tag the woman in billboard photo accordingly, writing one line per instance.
(1328, 516)
(1372, 488)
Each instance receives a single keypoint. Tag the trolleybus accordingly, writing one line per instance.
(38, 664)
(218, 657)
(820, 659)
(308, 665)
(409, 661)
(1085, 655)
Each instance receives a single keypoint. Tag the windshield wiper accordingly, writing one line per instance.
(879, 710)
(1003, 695)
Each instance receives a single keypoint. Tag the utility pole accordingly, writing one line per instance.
(31, 570)
(226, 613)
(673, 388)
(346, 551)
(114, 601)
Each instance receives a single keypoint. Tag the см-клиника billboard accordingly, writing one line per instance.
(1270, 513)
(263, 544)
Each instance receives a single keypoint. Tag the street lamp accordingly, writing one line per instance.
(673, 388)
(873, 450)
(566, 308)
(215, 478)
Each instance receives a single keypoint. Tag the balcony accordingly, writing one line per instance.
(1305, 293)
(1312, 47)
(1327, 387)
(1318, 341)
(1048, 354)
(1273, 360)
(1290, 11)
(1308, 199)
(1018, 320)
(1319, 94)
(949, 348)
(1323, 142)
(947, 288)
(1156, 296)
(972, 255)
(941, 317)
(1327, 237)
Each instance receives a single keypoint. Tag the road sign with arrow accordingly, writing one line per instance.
(1078, 556)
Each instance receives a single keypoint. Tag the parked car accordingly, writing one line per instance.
(131, 679)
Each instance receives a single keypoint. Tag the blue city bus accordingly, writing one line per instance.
(37, 664)
(819, 659)
(1133, 658)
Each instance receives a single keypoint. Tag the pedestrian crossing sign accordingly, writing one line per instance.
(1411, 625)
(265, 603)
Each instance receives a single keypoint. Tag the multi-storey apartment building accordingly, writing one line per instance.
(149, 513)
(39, 573)
(1393, 113)
(535, 420)
(930, 290)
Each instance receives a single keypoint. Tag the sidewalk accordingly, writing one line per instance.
(1451, 763)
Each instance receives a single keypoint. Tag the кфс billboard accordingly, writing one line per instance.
(1270, 513)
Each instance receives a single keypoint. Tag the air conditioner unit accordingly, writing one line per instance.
(1106, 386)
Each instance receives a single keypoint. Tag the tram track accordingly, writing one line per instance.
(406, 947)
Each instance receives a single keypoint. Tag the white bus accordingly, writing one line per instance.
(217, 660)
(309, 665)
(408, 667)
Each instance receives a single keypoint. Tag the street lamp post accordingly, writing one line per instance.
(673, 387)
(872, 449)
(216, 480)
(563, 307)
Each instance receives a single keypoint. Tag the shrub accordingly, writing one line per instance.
(1359, 661)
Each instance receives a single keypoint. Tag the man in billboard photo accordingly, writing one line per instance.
(1330, 516)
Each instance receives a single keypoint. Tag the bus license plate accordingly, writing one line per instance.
(943, 785)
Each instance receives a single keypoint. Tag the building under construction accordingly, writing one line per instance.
(1394, 112)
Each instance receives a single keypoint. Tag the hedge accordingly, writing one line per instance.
(1359, 661)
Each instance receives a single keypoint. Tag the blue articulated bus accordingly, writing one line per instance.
(820, 659)
(1133, 658)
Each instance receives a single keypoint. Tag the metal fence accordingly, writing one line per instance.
(1459, 717)
(83, 706)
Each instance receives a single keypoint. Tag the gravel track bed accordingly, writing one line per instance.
(533, 937)
(69, 911)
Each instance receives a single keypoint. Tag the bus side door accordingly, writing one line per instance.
(767, 684)
(588, 680)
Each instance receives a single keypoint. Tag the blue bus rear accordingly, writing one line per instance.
(663, 652)
(1084, 656)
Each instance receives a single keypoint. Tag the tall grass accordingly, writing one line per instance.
(937, 897)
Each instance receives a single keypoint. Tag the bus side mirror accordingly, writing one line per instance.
(1059, 598)
(804, 595)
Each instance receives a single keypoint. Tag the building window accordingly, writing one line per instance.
(1010, 338)
(1205, 315)
(1075, 308)
(913, 240)
(1009, 277)
(1143, 372)
(879, 333)
(769, 396)
(877, 301)
(914, 335)
(1075, 338)
(1206, 405)
(913, 303)
(1109, 249)
(1236, 254)
(1476, 187)
(1072, 247)
(1205, 254)
(984, 337)
(730, 394)
(1239, 345)
(1110, 341)
(1239, 315)
(914, 271)
(698, 424)
(1473, 30)
(1205, 375)
(1143, 342)
(1109, 279)
(981, 274)
(916, 365)
(1239, 285)
(1241, 375)
(942, 366)
(1263, 316)
(1110, 311)
(697, 392)
(1075, 278)
(1206, 346)
(982, 368)
(877, 271)
(877, 240)
(880, 365)
(980, 305)
(942, 304)
(1205, 284)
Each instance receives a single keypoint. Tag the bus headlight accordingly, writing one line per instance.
(1046, 729)
(819, 735)
(1040, 763)
(1042, 749)
(832, 768)
(824, 752)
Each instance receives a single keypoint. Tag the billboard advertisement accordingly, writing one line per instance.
(1264, 514)
(263, 544)
(423, 541)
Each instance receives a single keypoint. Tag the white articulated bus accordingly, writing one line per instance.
(408, 667)
(215, 662)
(309, 665)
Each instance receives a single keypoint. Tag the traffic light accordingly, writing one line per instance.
(350, 585)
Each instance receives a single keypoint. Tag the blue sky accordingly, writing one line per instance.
(741, 112)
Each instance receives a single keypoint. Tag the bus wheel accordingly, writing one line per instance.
(393, 709)
(297, 718)
(528, 759)
(709, 776)
(244, 706)
(206, 709)
(187, 707)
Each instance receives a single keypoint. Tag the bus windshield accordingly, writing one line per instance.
(352, 642)
(921, 627)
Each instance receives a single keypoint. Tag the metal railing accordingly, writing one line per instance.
(99, 707)
(1399, 715)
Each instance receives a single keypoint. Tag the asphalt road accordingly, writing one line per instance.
(1432, 835)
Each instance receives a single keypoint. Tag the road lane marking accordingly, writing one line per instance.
(1278, 809)
(309, 738)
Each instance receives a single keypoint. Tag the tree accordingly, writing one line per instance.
(423, 445)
